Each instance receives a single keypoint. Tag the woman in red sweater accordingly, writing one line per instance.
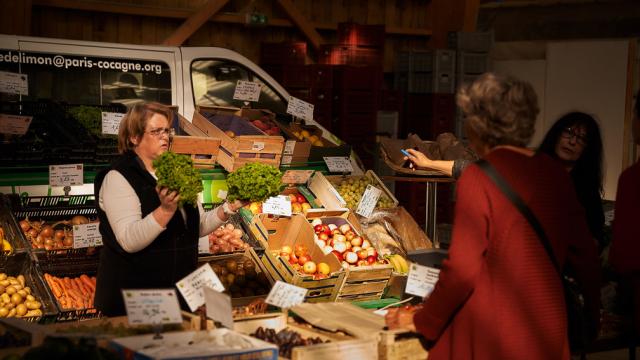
(498, 295)
(625, 245)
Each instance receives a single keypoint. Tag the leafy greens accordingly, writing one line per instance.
(177, 173)
(255, 182)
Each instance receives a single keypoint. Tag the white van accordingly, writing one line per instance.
(96, 73)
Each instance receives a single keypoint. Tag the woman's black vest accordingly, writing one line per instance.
(169, 258)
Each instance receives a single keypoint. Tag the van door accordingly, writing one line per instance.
(92, 73)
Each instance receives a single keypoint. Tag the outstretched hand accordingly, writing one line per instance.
(401, 318)
(418, 158)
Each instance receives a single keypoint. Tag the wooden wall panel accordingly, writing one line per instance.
(100, 26)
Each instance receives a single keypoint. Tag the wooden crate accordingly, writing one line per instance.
(248, 145)
(346, 346)
(361, 282)
(274, 233)
(400, 345)
(202, 150)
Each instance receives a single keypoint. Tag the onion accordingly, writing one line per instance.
(226, 237)
(220, 241)
(59, 235)
(215, 249)
(48, 241)
(218, 233)
(237, 233)
(47, 231)
(32, 232)
(230, 226)
(48, 247)
(68, 241)
(79, 219)
(24, 225)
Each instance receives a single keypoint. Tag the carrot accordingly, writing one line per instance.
(87, 282)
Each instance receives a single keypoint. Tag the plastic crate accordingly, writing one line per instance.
(471, 41)
(472, 63)
(21, 265)
(52, 209)
(425, 83)
(71, 270)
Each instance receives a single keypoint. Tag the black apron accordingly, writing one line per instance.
(169, 258)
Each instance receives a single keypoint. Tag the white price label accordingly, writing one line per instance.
(86, 235)
(421, 280)
(277, 205)
(222, 194)
(287, 159)
(296, 176)
(14, 124)
(203, 245)
(13, 83)
(285, 295)
(289, 146)
(368, 201)
(218, 307)
(191, 286)
(338, 164)
(247, 91)
(152, 307)
(257, 146)
(66, 175)
(111, 122)
(300, 109)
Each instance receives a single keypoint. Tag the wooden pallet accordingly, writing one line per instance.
(202, 150)
(240, 149)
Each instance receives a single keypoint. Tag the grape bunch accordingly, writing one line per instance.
(352, 188)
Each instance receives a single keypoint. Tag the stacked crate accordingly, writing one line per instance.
(472, 60)
(424, 72)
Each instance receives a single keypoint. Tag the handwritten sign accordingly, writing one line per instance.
(289, 146)
(338, 164)
(277, 205)
(285, 295)
(300, 109)
(257, 146)
(368, 201)
(111, 122)
(287, 159)
(12, 83)
(421, 280)
(14, 124)
(152, 307)
(218, 307)
(191, 285)
(86, 235)
(296, 176)
(247, 91)
(66, 175)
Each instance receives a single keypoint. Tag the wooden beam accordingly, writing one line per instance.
(184, 13)
(303, 24)
(194, 22)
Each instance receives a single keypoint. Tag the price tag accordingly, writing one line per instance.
(285, 295)
(14, 124)
(300, 109)
(13, 83)
(203, 245)
(222, 194)
(86, 235)
(338, 164)
(111, 122)
(277, 205)
(287, 159)
(218, 307)
(257, 146)
(421, 280)
(152, 307)
(368, 201)
(296, 176)
(66, 175)
(191, 285)
(247, 91)
(289, 146)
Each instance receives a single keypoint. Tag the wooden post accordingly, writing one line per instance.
(305, 26)
(194, 22)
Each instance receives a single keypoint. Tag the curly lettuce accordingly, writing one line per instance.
(254, 182)
(177, 173)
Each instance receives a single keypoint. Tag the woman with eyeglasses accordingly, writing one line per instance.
(575, 140)
(149, 241)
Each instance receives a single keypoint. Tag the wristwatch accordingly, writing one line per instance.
(227, 210)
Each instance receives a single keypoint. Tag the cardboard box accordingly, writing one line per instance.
(303, 150)
(248, 143)
(274, 233)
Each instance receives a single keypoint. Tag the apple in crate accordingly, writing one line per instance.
(350, 257)
(356, 241)
(323, 268)
(309, 267)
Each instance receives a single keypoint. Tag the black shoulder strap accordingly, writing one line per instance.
(517, 201)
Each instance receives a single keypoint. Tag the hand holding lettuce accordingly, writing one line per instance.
(176, 172)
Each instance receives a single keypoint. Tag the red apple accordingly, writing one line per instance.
(323, 236)
(300, 250)
(301, 199)
(372, 252)
(351, 257)
(362, 254)
(285, 256)
(293, 259)
(327, 231)
(338, 237)
(344, 228)
(318, 228)
(338, 255)
(356, 241)
(349, 235)
(348, 244)
(362, 262)
(286, 249)
(336, 232)
(304, 259)
(309, 267)
(320, 276)
(293, 198)
(371, 260)
(355, 249)
(333, 227)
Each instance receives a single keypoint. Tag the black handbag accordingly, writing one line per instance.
(578, 324)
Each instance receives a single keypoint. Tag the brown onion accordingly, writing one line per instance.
(79, 220)
(33, 232)
(59, 234)
(47, 231)
(24, 225)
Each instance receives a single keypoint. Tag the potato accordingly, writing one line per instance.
(5, 282)
(17, 286)
(21, 280)
(27, 289)
(2, 289)
(22, 293)
(4, 312)
(16, 299)
(30, 297)
(36, 312)
(13, 281)
(21, 309)
(10, 290)
(5, 298)
(3, 276)
(33, 305)
(9, 306)
(12, 313)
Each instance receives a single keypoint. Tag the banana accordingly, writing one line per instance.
(403, 264)
(6, 247)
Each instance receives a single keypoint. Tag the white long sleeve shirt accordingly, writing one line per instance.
(120, 202)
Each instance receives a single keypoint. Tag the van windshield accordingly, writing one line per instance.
(88, 80)
(214, 82)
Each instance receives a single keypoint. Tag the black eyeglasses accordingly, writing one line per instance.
(569, 133)
(161, 131)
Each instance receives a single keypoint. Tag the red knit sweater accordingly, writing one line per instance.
(625, 245)
(498, 296)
